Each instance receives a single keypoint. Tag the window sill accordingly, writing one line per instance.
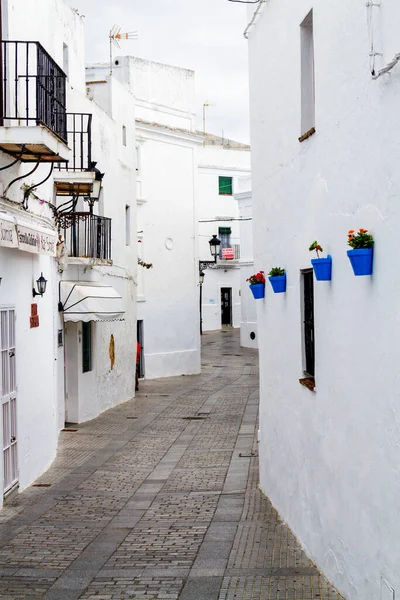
(307, 134)
(308, 382)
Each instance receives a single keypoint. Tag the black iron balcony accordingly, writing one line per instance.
(33, 88)
(79, 138)
(86, 235)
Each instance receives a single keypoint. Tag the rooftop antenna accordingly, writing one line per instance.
(116, 36)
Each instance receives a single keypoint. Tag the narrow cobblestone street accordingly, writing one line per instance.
(158, 499)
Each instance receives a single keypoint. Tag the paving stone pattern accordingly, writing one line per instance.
(158, 499)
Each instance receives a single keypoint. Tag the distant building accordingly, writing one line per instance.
(166, 167)
(325, 89)
(248, 306)
(223, 171)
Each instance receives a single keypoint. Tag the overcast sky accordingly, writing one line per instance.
(203, 35)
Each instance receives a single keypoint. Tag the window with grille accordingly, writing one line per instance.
(225, 186)
(224, 234)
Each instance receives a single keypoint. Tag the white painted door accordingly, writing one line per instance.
(8, 397)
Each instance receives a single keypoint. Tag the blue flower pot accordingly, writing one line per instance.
(322, 268)
(278, 283)
(258, 290)
(361, 260)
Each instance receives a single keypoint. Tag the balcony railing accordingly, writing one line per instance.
(79, 138)
(33, 88)
(234, 252)
(86, 235)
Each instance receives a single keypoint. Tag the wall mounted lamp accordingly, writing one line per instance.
(41, 286)
(214, 247)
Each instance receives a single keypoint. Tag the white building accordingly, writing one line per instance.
(224, 170)
(324, 131)
(248, 306)
(166, 160)
(37, 126)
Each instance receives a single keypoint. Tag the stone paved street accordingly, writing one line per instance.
(158, 499)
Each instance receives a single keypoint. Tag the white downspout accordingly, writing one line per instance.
(255, 15)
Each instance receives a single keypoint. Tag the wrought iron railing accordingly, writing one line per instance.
(235, 250)
(86, 235)
(33, 88)
(79, 138)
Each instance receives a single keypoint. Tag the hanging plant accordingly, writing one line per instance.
(257, 285)
(322, 266)
(362, 252)
(277, 278)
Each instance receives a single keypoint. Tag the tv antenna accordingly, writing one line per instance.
(116, 37)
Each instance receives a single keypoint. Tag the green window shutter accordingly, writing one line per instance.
(224, 230)
(225, 186)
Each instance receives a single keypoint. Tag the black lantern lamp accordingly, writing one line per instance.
(96, 189)
(201, 277)
(214, 247)
(41, 286)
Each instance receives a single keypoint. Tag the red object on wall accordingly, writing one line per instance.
(33, 310)
(228, 253)
(34, 321)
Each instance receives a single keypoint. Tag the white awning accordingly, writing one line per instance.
(90, 301)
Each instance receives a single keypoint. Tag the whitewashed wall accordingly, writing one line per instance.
(167, 219)
(39, 360)
(330, 460)
(248, 318)
(220, 160)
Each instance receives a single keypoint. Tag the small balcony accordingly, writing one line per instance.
(33, 123)
(76, 177)
(86, 236)
(229, 255)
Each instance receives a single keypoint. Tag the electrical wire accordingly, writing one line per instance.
(221, 220)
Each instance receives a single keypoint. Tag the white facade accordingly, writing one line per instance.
(166, 163)
(32, 372)
(330, 459)
(248, 306)
(224, 169)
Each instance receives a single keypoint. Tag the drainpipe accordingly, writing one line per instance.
(1, 66)
(255, 15)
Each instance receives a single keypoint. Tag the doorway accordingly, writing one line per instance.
(308, 308)
(140, 339)
(8, 397)
(226, 307)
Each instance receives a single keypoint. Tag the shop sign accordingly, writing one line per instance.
(8, 233)
(228, 253)
(35, 241)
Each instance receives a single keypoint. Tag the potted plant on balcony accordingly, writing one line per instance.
(257, 284)
(361, 255)
(277, 278)
(322, 266)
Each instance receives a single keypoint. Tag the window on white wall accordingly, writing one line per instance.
(224, 234)
(138, 160)
(123, 135)
(127, 225)
(307, 74)
(65, 59)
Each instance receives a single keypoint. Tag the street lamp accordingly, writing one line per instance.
(41, 286)
(214, 247)
(201, 281)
